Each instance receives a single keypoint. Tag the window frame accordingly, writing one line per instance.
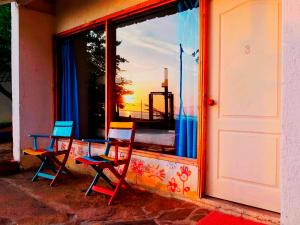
(145, 8)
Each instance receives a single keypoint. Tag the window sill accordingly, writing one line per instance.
(154, 155)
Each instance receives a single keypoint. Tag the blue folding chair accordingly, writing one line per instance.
(120, 134)
(48, 156)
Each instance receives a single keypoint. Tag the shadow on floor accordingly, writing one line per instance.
(7, 164)
(6, 152)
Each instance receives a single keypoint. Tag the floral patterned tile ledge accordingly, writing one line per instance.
(174, 178)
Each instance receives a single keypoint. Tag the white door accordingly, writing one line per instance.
(243, 144)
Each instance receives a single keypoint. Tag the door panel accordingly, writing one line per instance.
(244, 80)
(255, 169)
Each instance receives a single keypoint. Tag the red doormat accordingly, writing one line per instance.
(217, 218)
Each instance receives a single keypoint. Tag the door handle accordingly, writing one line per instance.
(211, 102)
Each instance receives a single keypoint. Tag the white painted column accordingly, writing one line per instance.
(290, 149)
(15, 80)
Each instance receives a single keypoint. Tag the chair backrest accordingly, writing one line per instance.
(61, 129)
(123, 131)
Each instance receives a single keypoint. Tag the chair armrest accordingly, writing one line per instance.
(60, 137)
(95, 140)
(35, 137)
(39, 135)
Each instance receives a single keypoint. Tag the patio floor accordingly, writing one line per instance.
(6, 151)
(25, 202)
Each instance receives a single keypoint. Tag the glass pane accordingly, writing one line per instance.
(148, 80)
(89, 50)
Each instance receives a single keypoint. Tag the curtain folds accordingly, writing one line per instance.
(188, 41)
(69, 86)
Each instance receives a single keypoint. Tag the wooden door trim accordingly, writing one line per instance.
(110, 72)
(202, 94)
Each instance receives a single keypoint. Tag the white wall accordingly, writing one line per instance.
(290, 151)
(36, 74)
(32, 63)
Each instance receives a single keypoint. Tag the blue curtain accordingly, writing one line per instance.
(188, 40)
(69, 87)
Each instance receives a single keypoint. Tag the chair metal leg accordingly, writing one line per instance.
(121, 182)
(64, 167)
(48, 164)
(61, 168)
(51, 166)
(39, 170)
(108, 181)
(121, 176)
(103, 176)
(116, 191)
(95, 180)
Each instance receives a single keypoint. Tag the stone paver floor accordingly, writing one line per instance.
(29, 203)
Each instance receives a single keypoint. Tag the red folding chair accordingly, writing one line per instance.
(120, 133)
(48, 156)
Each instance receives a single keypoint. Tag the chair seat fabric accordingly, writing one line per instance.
(36, 152)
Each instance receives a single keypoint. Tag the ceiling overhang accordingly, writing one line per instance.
(46, 6)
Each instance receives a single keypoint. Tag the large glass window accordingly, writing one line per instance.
(152, 88)
(156, 79)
